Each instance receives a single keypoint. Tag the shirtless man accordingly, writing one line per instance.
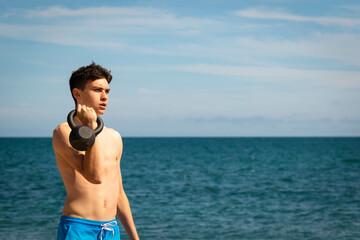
(92, 178)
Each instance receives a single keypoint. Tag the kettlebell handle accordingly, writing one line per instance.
(70, 120)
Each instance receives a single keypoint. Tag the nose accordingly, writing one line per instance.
(103, 96)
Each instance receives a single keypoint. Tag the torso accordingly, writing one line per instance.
(88, 200)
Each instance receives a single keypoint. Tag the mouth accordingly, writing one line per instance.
(102, 106)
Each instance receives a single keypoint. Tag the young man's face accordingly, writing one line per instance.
(95, 95)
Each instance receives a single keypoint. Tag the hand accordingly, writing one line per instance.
(86, 115)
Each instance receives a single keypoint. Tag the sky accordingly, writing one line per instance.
(185, 68)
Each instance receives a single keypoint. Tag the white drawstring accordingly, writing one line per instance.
(107, 226)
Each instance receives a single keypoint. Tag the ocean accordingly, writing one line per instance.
(200, 188)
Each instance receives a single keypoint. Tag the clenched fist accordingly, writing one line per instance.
(87, 116)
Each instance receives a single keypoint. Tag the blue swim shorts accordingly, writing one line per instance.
(72, 228)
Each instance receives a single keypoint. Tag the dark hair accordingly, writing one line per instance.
(92, 72)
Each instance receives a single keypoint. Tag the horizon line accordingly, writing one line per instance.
(293, 136)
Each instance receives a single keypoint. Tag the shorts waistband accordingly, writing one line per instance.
(67, 219)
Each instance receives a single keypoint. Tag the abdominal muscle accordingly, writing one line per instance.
(91, 201)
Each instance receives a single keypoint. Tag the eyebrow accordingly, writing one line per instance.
(98, 87)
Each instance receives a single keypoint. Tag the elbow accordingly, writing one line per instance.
(94, 175)
(95, 178)
(95, 181)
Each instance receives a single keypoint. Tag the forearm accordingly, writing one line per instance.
(93, 164)
(125, 216)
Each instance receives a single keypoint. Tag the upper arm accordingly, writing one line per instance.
(119, 146)
(64, 150)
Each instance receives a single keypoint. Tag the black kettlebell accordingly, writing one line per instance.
(82, 137)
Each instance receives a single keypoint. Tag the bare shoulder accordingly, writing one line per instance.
(61, 127)
(60, 133)
(113, 133)
(116, 138)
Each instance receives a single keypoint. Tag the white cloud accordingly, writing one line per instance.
(345, 79)
(146, 91)
(96, 26)
(276, 14)
(114, 27)
(58, 11)
(112, 16)
(338, 47)
(64, 35)
(352, 8)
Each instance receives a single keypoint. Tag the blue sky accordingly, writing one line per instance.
(186, 68)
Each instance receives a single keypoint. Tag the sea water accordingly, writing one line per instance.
(200, 188)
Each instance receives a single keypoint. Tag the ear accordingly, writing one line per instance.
(76, 94)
